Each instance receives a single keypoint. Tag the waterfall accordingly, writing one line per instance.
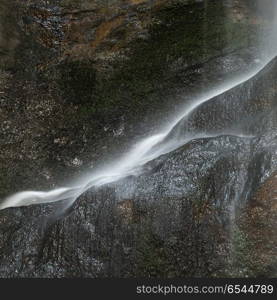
(151, 147)
(268, 34)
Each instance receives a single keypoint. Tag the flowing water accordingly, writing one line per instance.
(166, 140)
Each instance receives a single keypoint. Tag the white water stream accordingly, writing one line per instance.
(145, 150)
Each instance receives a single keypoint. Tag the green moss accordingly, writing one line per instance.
(240, 254)
(86, 110)
(194, 33)
(4, 183)
(189, 34)
(180, 36)
(78, 81)
(153, 259)
(243, 257)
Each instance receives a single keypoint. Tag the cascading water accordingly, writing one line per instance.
(167, 140)
(267, 36)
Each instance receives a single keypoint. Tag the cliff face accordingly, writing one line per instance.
(79, 81)
(82, 78)
(182, 217)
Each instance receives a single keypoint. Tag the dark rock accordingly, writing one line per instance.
(174, 220)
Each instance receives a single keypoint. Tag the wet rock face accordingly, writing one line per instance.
(255, 244)
(82, 79)
(176, 219)
(172, 221)
(246, 111)
(9, 38)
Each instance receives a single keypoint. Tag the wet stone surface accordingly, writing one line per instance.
(79, 82)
